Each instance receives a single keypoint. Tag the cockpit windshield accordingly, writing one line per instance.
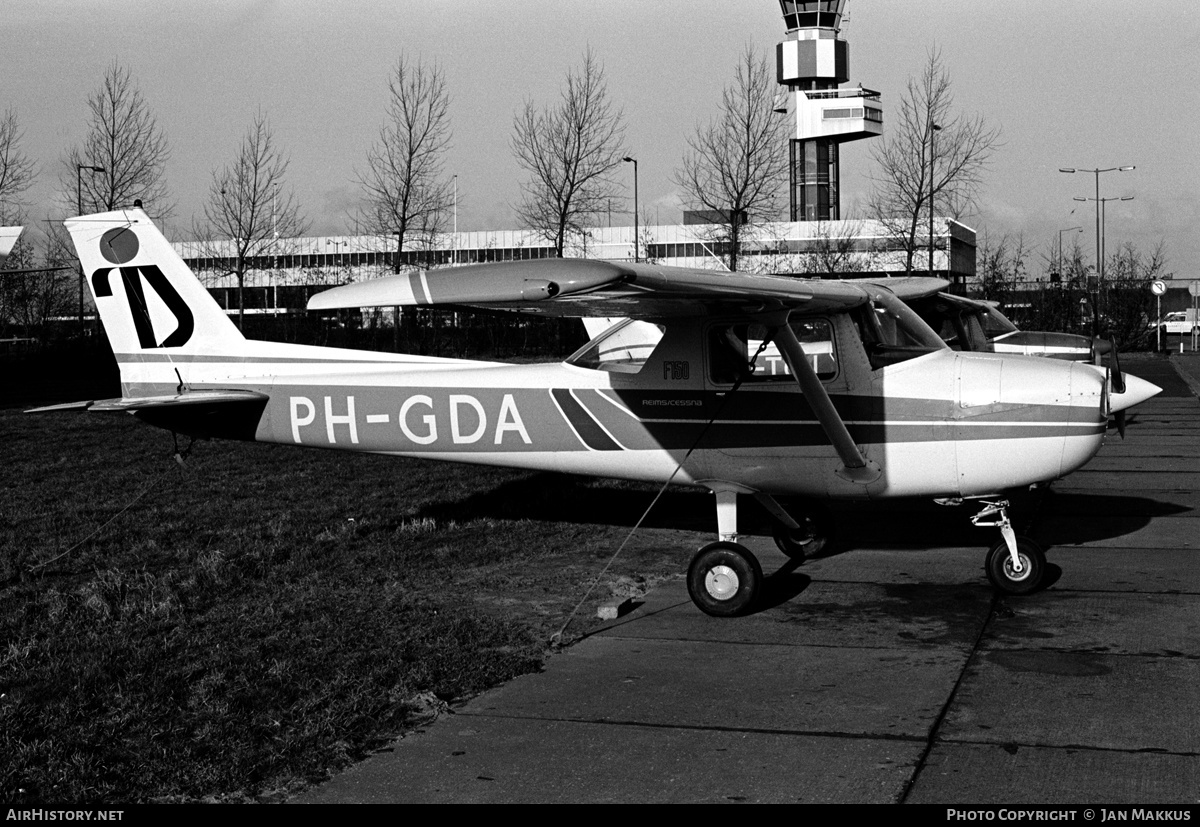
(996, 324)
(892, 332)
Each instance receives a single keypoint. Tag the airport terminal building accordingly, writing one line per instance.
(294, 268)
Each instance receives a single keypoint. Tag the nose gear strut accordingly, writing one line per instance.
(1000, 507)
(1015, 565)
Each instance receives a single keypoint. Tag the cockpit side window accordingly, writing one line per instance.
(975, 336)
(737, 351)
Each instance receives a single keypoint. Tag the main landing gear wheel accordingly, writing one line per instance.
(814, 535)
(1005, 577)
(724, 579)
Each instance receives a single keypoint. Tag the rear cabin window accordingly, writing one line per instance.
(737, 351)
(623, 348)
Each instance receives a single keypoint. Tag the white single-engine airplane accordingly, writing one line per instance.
(872, 403)
(971, 324)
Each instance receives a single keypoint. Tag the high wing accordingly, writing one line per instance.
(908, 288)
(588, 287)
(8, 240)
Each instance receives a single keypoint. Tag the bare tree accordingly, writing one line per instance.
(248, 210)
(929, 160)
(736, 165)
(31, 296)
(1063, 305)
(1002, 267)
(1126, 302)
(16, 170)
(123, 156)
(570, 152)
(19, 293)
(837, 248)
(407, 196)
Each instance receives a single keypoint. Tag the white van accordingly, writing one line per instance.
(1179, 321)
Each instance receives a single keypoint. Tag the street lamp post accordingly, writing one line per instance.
(79, 168)
(1060, 258)
(1104, 226)
(933, 130)
(1099, 248)
(337, 264)
(1101, 203)
(636, 250)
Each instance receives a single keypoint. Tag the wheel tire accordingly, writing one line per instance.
(724, 579)
(998, 566)
(814, 536)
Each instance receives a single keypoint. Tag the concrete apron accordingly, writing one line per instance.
(885, 673)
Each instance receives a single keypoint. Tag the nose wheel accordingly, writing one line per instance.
(1004, 573)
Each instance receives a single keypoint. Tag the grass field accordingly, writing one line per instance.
(266, 615)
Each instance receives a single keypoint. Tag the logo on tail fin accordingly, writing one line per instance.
(132, 277)
(119, 245)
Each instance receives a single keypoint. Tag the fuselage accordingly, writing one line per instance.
(938, 424)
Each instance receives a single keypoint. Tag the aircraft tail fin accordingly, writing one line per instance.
(149, 301)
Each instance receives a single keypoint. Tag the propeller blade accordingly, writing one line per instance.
(1120, 417)
(1118, 378)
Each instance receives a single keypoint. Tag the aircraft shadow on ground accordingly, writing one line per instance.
(551, 497)
(781, 586)
(1046, 516)
(1075, 517)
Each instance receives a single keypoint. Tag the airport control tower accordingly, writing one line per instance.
(812, 62)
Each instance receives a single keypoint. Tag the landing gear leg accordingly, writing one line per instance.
(801, 536)
(724, 579)
(1015, 565)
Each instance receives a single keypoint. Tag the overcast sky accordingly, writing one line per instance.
(1075, 83)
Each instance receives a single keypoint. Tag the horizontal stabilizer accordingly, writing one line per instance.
(179, 400)
(139, 403)
(203, 414)
(66, 406)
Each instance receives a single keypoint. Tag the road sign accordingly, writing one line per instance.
(1158, 287)
(1194, 288)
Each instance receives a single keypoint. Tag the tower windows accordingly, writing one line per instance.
(815, 194)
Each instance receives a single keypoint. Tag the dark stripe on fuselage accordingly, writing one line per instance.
(589, 430)
(767, 407)
(465, 419)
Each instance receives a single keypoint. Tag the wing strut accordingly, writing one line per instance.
(856, 467)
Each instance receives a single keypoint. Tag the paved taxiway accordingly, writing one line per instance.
(888, 672)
